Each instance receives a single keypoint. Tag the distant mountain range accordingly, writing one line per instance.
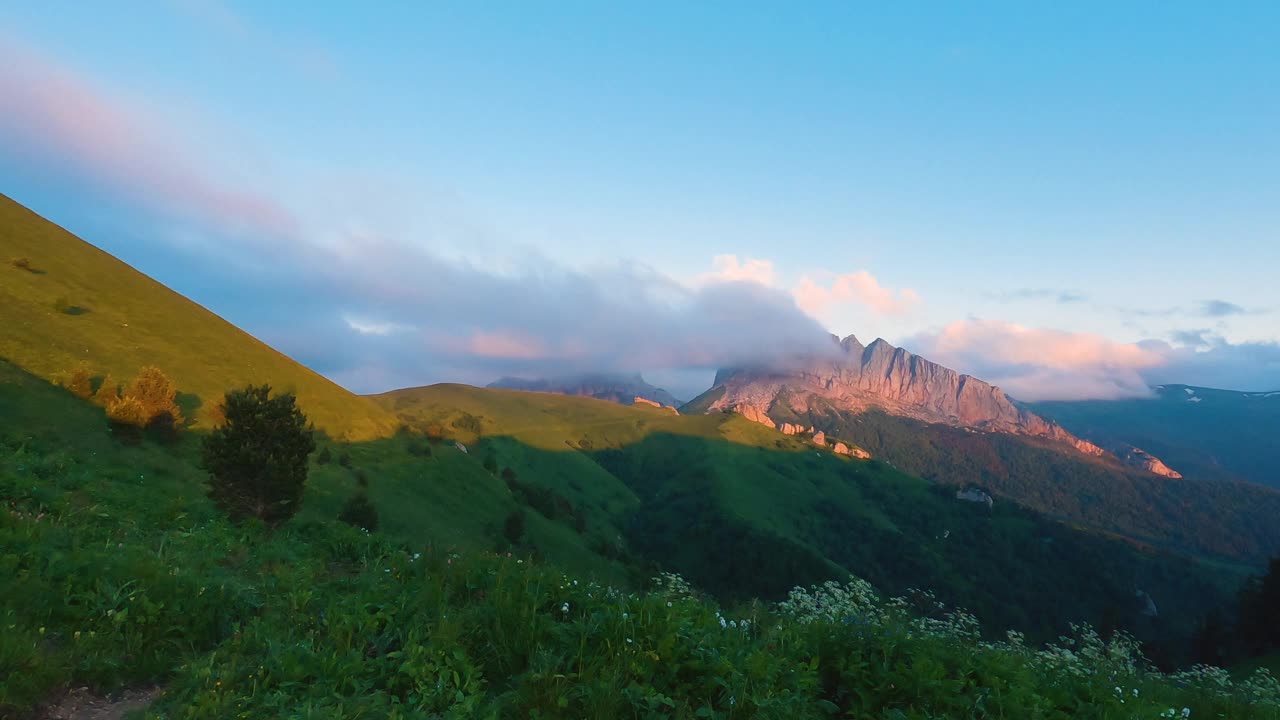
(1205, 433)
(622, 389)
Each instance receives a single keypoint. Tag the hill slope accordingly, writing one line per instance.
(1206, 433)
(746, 511)
(64, 302)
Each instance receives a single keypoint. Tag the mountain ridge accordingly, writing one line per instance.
(619, 388)
(859, 378)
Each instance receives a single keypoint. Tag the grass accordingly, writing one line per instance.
(63, 302)
(115, 579)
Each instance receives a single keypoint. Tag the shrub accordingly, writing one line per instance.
(435, 434)
(491, 465)
(108, 393)
(324, 456)
(344, 460)
(127, 417)
(23, 263)
(360, 512)
(257, 461)
(362, 479)
(79, 383)
(156, 393)
(513, 527)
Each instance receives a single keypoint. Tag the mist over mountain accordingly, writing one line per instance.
(622, 389)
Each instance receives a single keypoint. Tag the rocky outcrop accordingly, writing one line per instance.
(841, 449)
(1139, 458)
(754, 414)
(646, 401)
(974, 495)
(857, 378)
(622, 389)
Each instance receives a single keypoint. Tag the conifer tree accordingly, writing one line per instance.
(257, 459)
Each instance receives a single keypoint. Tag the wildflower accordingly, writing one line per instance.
(723, 623)
(625, 616)
(565, 608)
(1186, 712)
(628, 641)
(733, 624)
(668, 603)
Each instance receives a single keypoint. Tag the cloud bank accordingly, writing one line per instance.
(1034, 364)
(374, 313)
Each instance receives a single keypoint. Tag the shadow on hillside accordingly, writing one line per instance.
(744, 521)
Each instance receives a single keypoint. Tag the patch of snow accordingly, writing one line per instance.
(1194, 399)
(1189, 391)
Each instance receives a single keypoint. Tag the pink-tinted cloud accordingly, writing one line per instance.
(728, 268)
(50, 114)
(505, 345)
(859, 287)
(1041, 364)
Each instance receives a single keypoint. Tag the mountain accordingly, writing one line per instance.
(64, 303)
(1205, 433)
(622, 389)
(619, 492)
(743, 510)
(857, 378)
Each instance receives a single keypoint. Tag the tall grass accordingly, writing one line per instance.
(108, 583)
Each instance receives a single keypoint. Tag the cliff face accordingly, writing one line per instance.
(858, 378)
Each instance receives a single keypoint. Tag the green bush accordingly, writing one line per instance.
(257, 460)
(360, 512)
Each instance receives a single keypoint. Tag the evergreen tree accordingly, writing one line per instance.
(257, 460)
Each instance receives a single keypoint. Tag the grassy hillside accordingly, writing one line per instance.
(744, 511)
(63, 302)
(1227, 520)
(1201, 432)
(117, 572)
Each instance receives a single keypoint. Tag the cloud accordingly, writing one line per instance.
(857, 287)
(727, 268)
(1205, 308)
(1039, 364)
(49, 115)
(1035, 364)
(1220, 308)
(818, 300)
(1212, 361)
(1062, 297)
(1194, 339)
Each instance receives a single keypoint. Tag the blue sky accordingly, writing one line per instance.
(1072, 200)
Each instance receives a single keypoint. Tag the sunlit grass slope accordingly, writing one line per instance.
(743, 511)
(64, 302)
(116, 571)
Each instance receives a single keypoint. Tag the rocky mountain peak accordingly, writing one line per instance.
(892, 379)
